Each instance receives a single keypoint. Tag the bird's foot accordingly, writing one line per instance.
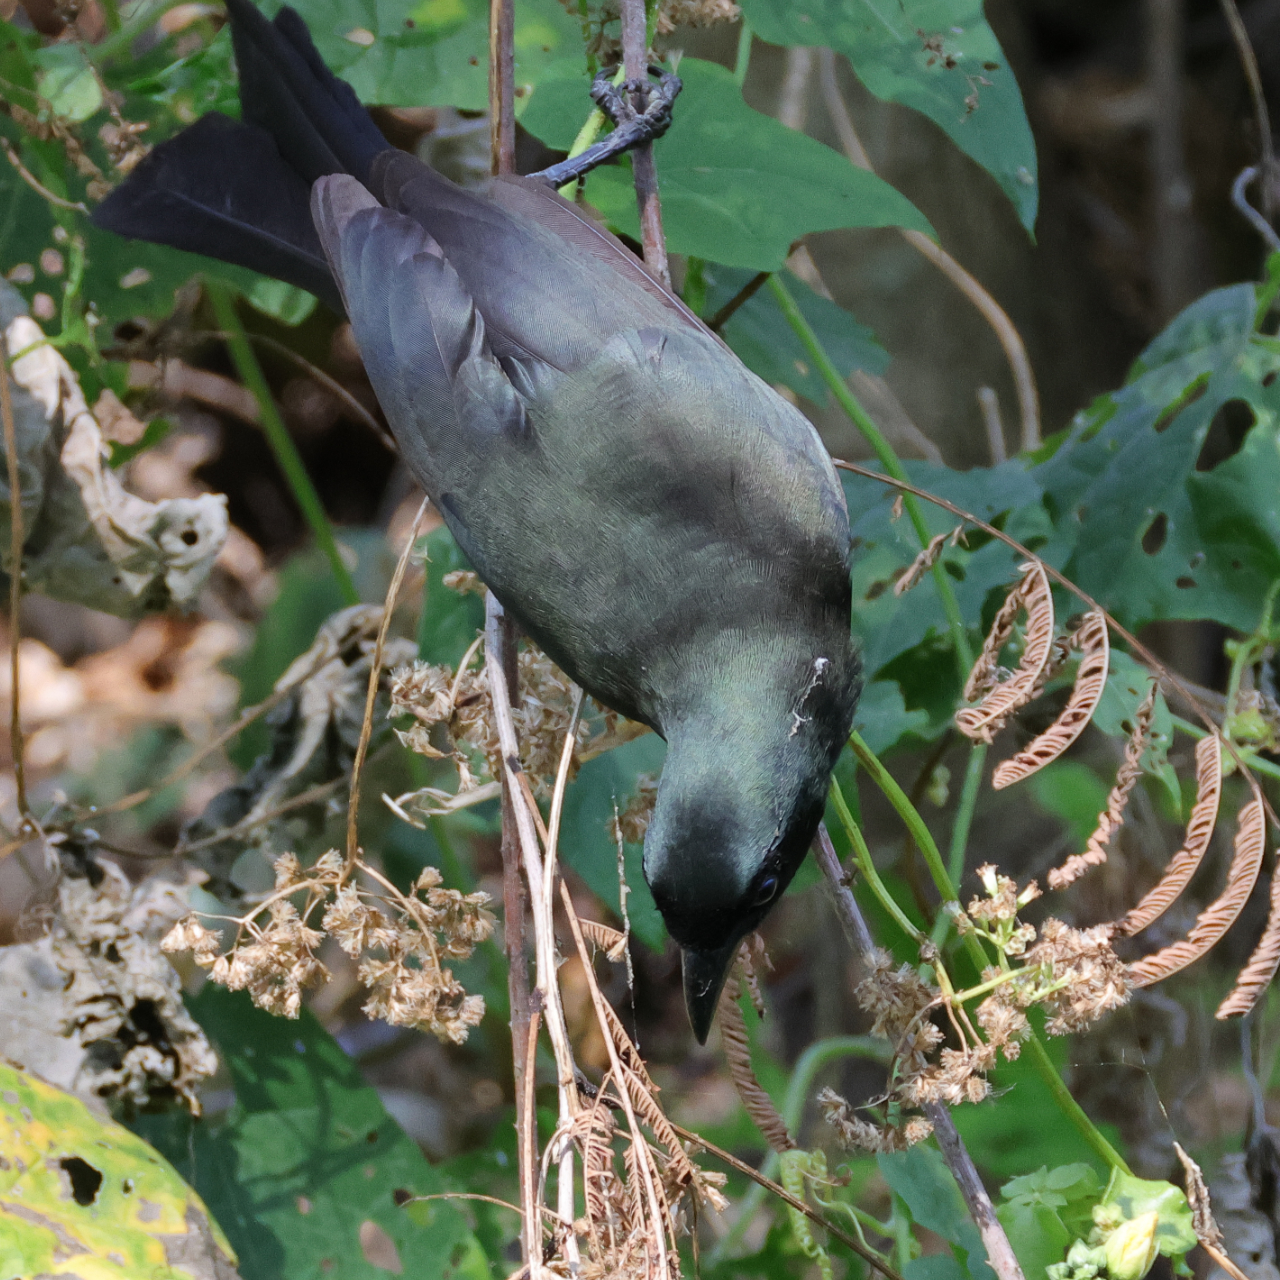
(641, 112)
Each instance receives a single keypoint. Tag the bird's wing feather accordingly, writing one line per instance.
(421, 335)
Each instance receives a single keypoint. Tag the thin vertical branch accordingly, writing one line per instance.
(992, 312)
(635, 62)
(999, 1251)
(500, 656)
(371, 694)
(1171, 186)
(502, 74)
(17, 540)
(1249, 64)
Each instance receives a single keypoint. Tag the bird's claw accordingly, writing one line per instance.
(619, 102)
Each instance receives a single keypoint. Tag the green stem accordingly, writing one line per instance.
(1070, 1107)
(862, 858)
(941, 877)
(960, 831)
(743, 60)
(887, 457)
(278, 437)
(587, 135)
(809, 1063)
(1255, 762)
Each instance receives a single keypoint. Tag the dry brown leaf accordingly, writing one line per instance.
(1091, 678)
(1111, 819)
(1032, 594)
(1204, 817)
(737, 1052)
(610, 941)
(1256, 976)
(926, 560)
(1220, 915)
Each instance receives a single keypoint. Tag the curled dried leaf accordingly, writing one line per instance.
(1219, 915)
(1032, 594)
(1091, 678)
(1112, 817)
(737, 1051)
(1256, 976)
(1204, 817)
(610, 941)
(925, 561)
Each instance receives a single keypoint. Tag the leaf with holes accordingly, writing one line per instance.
(939, 57)
(80, 1194)
(1150, 535)
(307, 1172)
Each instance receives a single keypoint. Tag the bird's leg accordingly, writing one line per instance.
(632, 127)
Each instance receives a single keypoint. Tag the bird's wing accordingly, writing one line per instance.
(549, 284)
(421, 335)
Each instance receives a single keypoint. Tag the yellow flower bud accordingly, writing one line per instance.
(1131, 1248)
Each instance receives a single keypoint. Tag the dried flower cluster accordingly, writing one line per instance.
(600, 21)
(1073, 973)
(452, 714)
(401, 941)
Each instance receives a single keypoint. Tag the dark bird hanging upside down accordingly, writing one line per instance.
(660, 521)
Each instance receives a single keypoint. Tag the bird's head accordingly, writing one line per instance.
(741, 795)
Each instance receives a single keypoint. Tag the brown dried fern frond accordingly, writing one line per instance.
(1256, 976)
(1111, 819)
(737, 1052)
(609, 940)
(926, 560)
(1091, 677)
(1032, 594)
(1204, 817)
(1220, 915)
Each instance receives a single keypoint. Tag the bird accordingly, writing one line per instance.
(660, 521)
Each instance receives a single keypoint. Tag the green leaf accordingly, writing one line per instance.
(412, 53)
(1043, 1212)
(938, 56)
(449, 621)
(920, 1176)
(80, 1194)
(890, 625)
(882, 717)
(768, 346)
(66, 81)
(587, 841)
(1132, 1197)
(1070, 790)
(738, 188)
(280, 301)
(307, 1158)
(1182, 543)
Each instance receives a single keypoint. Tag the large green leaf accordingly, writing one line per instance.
(307, 1173)
(737, 187)
(1150, 536)
(410, 53)
(764, 341)
(938, 56)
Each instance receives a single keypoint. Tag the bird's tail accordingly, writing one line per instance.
(240, 191)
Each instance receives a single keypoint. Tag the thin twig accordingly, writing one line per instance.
(17, 541)
(1261, 116)
(500, 656)
(999, 1252)
(77, 206)
(635, 62)
(1006, 332)
(1240, 198)
(330, 384)
(502, 117)
(313, 795)
(371, 695)
(743, 296)
(869, 1256)
(989, 405)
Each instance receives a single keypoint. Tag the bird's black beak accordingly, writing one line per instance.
(704, 975)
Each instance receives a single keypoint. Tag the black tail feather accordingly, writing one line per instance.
(241, 192)
(221, 188)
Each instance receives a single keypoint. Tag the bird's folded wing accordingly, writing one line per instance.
(420, 334)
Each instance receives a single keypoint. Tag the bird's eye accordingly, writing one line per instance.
(766, 891)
